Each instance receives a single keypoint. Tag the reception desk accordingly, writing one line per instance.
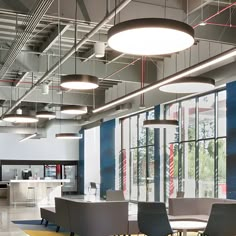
(35, 192)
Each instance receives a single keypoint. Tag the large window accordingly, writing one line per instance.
(196, 155)
(138, 153)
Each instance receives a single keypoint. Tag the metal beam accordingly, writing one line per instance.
(113, 57)
(16, 6)
(87, 55)
(23, 76)
(84, 10)
(53, 37)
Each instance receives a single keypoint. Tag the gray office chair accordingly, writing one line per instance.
(153, 219)
(115, 195)
(221, 220)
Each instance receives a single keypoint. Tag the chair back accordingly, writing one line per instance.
(93, 185)
(221, 220)
(180, 194)
(153, 219)
(115, 195)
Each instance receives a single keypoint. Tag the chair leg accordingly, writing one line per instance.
(46, 224)
(72, 233)
(41, 221)
(58, 228)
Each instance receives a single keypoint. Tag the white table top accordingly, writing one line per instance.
(40, 180)
(188, 225)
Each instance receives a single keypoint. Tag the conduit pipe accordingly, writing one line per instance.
(71, 52)
(30, 23)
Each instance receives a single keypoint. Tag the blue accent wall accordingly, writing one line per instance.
(107, 156)
(81, 164)
(231, 140)
(157, 156)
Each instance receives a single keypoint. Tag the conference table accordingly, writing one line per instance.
(187, 225)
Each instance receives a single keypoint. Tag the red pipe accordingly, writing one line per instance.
(218, 24)
(217, 13)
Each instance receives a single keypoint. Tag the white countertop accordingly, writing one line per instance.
(40, 181)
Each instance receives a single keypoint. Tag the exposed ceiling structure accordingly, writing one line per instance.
(37, 46)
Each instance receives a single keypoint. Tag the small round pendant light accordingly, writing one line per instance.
(150, 36)
(45, 114)
(160, 124)
(189, 85)
(17, 118)
(69, 136)
(74, 110)
(79, 82)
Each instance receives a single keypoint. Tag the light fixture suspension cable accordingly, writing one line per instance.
(76, 7)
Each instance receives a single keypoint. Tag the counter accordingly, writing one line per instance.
(35, 192)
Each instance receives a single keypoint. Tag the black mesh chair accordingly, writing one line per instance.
(221, 220)
(153, 219)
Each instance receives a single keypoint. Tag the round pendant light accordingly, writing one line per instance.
(160, 124)
(17, 118)
(45, 114)
(189, 85)
(69, 136)
(150, 36)
(74, 110)
(79, 82)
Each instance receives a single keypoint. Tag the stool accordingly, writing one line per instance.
(31, 197)
(48, 191)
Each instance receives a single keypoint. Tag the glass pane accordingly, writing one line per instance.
(206, 168)
(172, 113)
(125, 157)
(206, 116)
(150, 131)
(188, 120)
(222, 113)
(142, 130)
(189, 169)
(133, 131)
(222, 168)
(150, 177)
(142, 174)
(172, 170)
(134, 176)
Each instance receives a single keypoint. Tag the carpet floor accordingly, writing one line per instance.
(34, 228)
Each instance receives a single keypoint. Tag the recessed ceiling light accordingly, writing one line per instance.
(160, 124)
(69, 136)
(79, 82)
(150, 36)
(189, 85)
(16, 118)
(45, 114)
(74, 110)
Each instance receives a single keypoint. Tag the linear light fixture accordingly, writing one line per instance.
(202, 65)
(160, 124)
(79, 82)
(150, 36)
(69, 136)
(17, 118)
(74, 110)
(189, 85)
(45, 114)
(28, 137)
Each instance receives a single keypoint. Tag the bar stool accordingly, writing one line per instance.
(48, 192)
(31, 196)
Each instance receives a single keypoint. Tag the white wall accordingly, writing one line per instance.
(92, 158)
(48, 148)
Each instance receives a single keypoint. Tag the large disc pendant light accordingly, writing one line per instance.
(74, 110)
(69, 136)
(46, 114)
(18, 118)
(160, 124)
(189, 85)
(79, 82)
(150, 36)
